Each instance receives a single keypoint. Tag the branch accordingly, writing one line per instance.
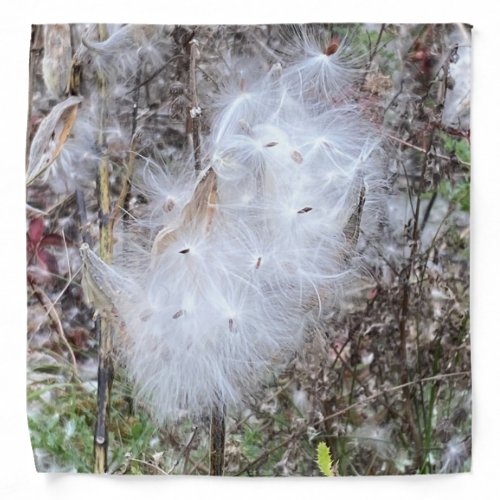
(426, 152)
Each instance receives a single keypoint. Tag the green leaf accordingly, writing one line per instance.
(324, 459)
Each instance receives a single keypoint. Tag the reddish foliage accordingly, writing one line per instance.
(37, 242)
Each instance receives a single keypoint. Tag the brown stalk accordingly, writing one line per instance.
(124, 196)
(217, 421)
(195, 111)
(103, 326)
(56, 321)
(217, 439)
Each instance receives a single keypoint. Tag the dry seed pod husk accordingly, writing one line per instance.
(57, 56)
(199, 212)
(51, 137)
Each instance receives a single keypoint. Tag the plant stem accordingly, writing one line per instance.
(217, 421)
(217, 441)
(122, 203)
(195, 111)
(103, 327)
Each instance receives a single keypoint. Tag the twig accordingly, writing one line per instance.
(184, 452)
(35, 210)
(355, 376)
(149, 464)
(209, 77)
(122, 202)
(63, 291)
(428, 210)
(372, 53)
(51, 311)
(393, 100)
(82, 215)
(153, 75)
(422, 150)
(198, 465)
(237, 425)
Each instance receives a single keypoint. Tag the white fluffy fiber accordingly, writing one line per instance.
(242, 257)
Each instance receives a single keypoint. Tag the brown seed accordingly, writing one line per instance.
(304, 210)
(333, 47)
(169, 205)
(297, 157)
(146, 314)
(186, 250)
(178, 314)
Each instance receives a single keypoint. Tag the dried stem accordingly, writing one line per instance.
(124, 196)
(372, 53)
(82, 216)
(217, 440)
(217, 421)
(184, 453)
(195, 111)
(422, 150)
(103, 326)
(51, 311)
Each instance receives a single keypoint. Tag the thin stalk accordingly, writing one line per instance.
(428, 430)
(195, 111)
(122, 203)
(217, 420)
(217, 441)
(56, 321)
(372, 54)
(103, 326)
